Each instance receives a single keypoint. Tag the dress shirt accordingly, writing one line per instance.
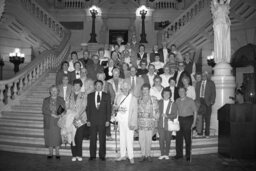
(96, 94)
(110, 69)
(166, 102)
(78, 76)
(64, 92)
(165, 53)
(158, 64)
(172, 90)
(165, 79)
(155, 92)
(178, 77)
(151, 79)
(202, 89)
(133, 78)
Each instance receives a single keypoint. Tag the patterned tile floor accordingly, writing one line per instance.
(31, 162)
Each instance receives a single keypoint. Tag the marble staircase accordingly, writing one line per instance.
(21, 128)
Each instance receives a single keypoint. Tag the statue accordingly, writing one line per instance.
(221, 28)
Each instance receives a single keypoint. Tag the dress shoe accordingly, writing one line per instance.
(132, 161)
(92, 158)
(143, 159)
(103, 158)
(154, 138)
(79, 158)
(161, 157)
(136, 138)
(57, 157)
(49, 156)
(121, 159)
(176, 157)
(73, 159)
(149, 159)
(188, 159)
(173, 137)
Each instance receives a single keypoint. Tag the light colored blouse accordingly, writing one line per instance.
(191, 92)
(155, 92)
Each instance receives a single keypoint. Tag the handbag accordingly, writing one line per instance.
(173, 125)
(60, 110)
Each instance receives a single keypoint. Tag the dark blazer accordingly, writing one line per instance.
(209, 93)
(101, 115)
(108, 77)
(59, 76)
(183, 74)
(47, 112)
(152, 57)
(144, 57)
(93, 70)
(162, 122)
(161, 53)
(86, 62)
(72, 76)
(175, 93)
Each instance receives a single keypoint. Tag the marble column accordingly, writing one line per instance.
(225, 88)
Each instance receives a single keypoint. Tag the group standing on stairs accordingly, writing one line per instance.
(140, 91)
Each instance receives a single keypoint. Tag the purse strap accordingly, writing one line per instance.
(122, 101)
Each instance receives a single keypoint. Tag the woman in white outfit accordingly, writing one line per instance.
(126, 108)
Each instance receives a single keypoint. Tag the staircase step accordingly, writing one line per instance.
(110, 153)
(21, 108)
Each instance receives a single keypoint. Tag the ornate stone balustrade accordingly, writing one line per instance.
(43, 16)
(74, 3)
(10, 89)
(2, 5)
(165, 4)
(185, 18)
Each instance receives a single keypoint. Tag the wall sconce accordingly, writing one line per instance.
(210, 60)
(16, 58)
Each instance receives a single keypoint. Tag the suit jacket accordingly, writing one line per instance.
(171, 114)
(101, 115)
(78, 106)
(146, 79)
(86, 62)
(144, 57)
(47, 111)
(106, 71)
(209, 93)
(68, 91)
(72, 76)
(175, 93)
(152, 57)
(59, 76)
(183, 74)
(93, 70)
(107, 88)
(137, 89)
(160, 51)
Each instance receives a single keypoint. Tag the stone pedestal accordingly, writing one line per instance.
(225, 88)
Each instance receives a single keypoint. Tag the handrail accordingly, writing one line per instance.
(43, 16)
(185, 17)
(11, 88)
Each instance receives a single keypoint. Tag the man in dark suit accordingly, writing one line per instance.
(98, 116)
(205, 90)
(75, 74)
(86, 59)
(93, 69)
(180, 74)
(153, 53)
(173, 88)
(164, 52)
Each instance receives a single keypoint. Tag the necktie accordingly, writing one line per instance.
(98, 98)
(202, 89)
(133, 83)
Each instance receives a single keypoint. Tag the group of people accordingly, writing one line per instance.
(139, 91)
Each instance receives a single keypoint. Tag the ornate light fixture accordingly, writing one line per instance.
(143, 35)
(94, 12)
(16, 58)
(210, 60)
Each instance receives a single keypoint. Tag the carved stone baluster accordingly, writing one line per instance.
(25, 82)
(15, 89)
(41, 69)
(20, 86)
(34, 75)
(30, 78)
(37, 71)
(9, 92)
(2, 94)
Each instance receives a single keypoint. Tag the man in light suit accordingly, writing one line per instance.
(98, 116)
(65, 88)
(136, 82)
(205, 90)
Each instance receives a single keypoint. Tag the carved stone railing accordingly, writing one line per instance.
(11, 88)
(43, 16)
(165, 4)
(73, 4)
(185, 18)
(2, 5)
